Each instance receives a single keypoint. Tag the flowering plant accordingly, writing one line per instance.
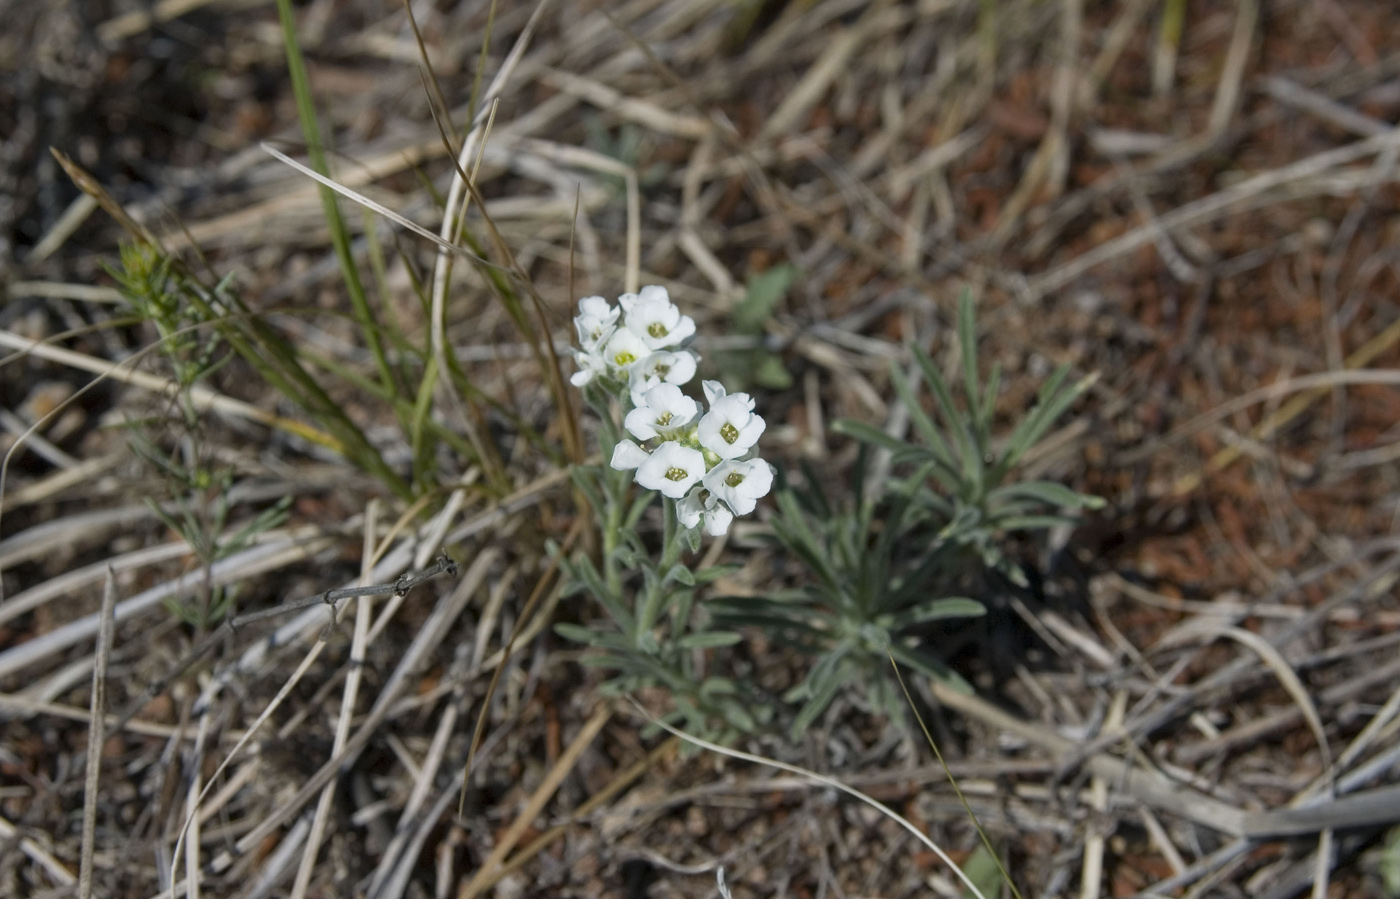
(890, 569)
(632, 366)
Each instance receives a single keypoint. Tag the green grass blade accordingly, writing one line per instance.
(340, 235)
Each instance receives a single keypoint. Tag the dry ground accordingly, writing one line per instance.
(1209, 224)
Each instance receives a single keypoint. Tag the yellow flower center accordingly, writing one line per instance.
(729, 432)
(677, 474)
(624, 359)
(657, 330)
(734, 479)
(663, 419)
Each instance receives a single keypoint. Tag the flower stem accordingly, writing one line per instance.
(671, 542)
(658, 588)
(612, 536)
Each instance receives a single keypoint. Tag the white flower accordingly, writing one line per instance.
(672, 469)
(623, 351)
(730, 428)
(655, 319)
(662, 368)
(589, 366)
(627, 455)
(595, 322)
(664, 410)
(703, 504)
(740, 484)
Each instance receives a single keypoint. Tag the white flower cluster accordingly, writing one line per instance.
(640, 351)
(697, 459)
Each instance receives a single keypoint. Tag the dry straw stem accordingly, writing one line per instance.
(1290, 410)
(816, 779)
(246, 564)
(62, 290)
(72, 218)
(401, 855)
(118, 28)
(529, 617)
(70, 582)
(20, 706)
(535, 805)
(189, 831)
(96, 735)
(1375, 580)
(622, 781)
(1274, 659)
(203, 398)
(1050, 165)
(358, 644)
(1091, 877)
(51, 866)
(428, 637)
(1255, 191)
(460, 189)
(1145, 786)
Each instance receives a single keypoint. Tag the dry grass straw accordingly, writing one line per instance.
(822, 780)
(96, 736)
(359, 642)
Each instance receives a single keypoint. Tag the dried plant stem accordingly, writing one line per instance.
(536, 804)
(96, 733)
(358, 644)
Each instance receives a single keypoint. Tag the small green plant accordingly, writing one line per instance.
(869, 587)
(892, 562)
(198, 511)
(158, 292)
(198, 506)
(969, 476)
(702, 466)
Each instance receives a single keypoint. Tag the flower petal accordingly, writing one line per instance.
(740, 484)
(672, 469)
(689, 509)
(717, 520)
(628, 455)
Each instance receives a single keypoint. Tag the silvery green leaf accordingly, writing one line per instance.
(764, 291)
(680, 611)
(715, 572)
(1046, 492)
(967, 341)
(708, 640)
(603, 661)
(923, 424)
(1051, 402)
(929, 667)
(1032, 522)
(772, 373)
(718, 686)
(737, 716)
(937, 609)
(584, 480)
(821, 687)
(591, 637)
(637, 509)
(864, 432)
(987, 406)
